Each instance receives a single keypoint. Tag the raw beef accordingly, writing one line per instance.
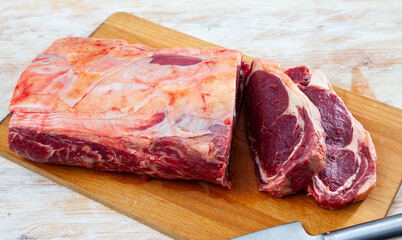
(110, 106)
(284, 130)
(350, 168)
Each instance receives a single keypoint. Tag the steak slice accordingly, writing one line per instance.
(350, 168)
(111, 106)
(284, 130)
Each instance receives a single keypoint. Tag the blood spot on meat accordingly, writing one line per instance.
(244, 69)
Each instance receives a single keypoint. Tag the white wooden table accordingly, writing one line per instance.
(33, 207)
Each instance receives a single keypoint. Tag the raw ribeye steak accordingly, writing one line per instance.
(111, 106)
(350, 168)
(284, 130)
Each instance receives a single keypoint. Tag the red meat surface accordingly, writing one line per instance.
(111, 106)
(284, 130)
(350, 167)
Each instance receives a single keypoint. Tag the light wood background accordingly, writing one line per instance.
(367, 34)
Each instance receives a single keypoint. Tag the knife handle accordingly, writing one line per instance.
(378, 229)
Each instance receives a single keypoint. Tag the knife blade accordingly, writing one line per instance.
(384, 228)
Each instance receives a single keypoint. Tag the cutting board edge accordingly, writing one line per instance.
(2, 120)
(393, 199)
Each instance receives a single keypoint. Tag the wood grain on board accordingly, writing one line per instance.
(195, 210)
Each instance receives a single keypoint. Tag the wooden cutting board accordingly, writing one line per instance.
(195, 210)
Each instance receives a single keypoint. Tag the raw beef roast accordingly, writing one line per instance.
(350, 167)
(110, 106)
(284, 130)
